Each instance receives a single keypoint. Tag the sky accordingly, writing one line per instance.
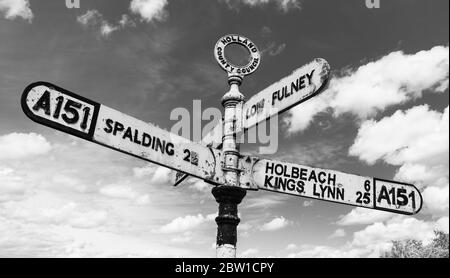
(384, 114)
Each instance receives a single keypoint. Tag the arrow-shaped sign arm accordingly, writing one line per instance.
(294, 89)
(332, 186)
(60, 109)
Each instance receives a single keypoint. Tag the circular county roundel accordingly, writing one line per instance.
(219, 53)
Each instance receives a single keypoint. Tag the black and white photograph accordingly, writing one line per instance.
(265, 131)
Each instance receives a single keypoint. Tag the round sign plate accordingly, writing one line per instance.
(219, 53)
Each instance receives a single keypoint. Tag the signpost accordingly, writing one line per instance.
(231, 173)
(58, 108)
(301, 85)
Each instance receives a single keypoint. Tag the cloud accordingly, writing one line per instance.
(118, 191)
(291, 246)
(379, 235)
(337, 233)
(124, 192)
(150, 10)
(161, 176)
(273, 49)
(91, 17)
(184, 238)
(16, 8)
(106, 29)
(311, 251)
(94, 18)
(416, 135)
(275, 224)
(12, 186)
(442, 225)
(186, 223)
(22, 145)
(51, 211)
(141, 172)
(283, 5)
(126, 21)
(200, 185)
(436, 199)
(48, 209)
(391, 80)
(363, 216)
(418, 143)
(376, 238)
(251, 252)
(265, 201)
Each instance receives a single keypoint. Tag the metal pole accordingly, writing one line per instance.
(230, 194)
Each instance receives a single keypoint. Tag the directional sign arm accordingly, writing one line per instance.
(212, 139)
(301, 85)
(332, 186)
(58, 108)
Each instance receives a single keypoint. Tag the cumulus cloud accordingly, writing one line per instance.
(200, 185)
(416, 135)
(158, 175)
(149, 10)
(266, 201)
(273, 49)
(186, 223)
(291, 246)
(275, 224)
(91, 17)
(147, 170)
(379, 235)
(22, 145)
(363, 216)
(311, 251)
(56, 213)
(417, 142)
(183, 238)
(124, 192)
(161, 176)
(377, 238)
(94, 18)
(118, 191)
(12, 186)
(251, 252)
(283, 5)
(391, 80)
(436, 199)
(16, 8)
(337, 233)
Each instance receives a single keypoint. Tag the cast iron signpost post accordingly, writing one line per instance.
(231, 173)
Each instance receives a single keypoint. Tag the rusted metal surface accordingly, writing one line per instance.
(60, 109)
